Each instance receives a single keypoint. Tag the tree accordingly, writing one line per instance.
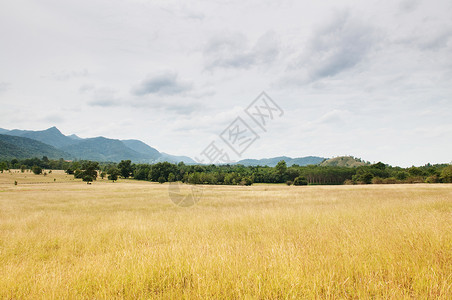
(3, 166)
(171, 177)
(90, 169)
(87, 178)
(446, 174)
(113, 174)
(125, 167)
(36, 170)
(281, 169)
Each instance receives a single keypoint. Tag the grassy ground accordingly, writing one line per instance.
(67, 239)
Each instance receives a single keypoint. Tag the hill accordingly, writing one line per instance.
(51, 136)
(271, 162)
(175, 159)
(104, 149)
(344, 161)
(142, 148)
(99, 149)
(21, 147)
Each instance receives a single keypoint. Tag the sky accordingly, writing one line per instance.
(372, 79)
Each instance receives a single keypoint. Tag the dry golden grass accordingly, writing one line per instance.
(66, 239)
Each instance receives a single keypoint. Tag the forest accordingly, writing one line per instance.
(378, 173)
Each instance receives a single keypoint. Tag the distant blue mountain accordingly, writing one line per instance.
(99, 149)
(51, 136)
(105, 149)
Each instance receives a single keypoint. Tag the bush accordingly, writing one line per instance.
(246, 181)
(432, 179)
(289, 182)
(377, 180)
(162, 179)
(414, 179)
(390, 180)
(300, 181)
(88, 178)
(348, 182)
(36, 170)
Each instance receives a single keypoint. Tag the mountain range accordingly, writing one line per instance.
(53, 144)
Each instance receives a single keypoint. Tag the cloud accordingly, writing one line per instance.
(408, 6)
(54, 118)
(231, 50)
(104, 97)
(164, 83)
(86, 88)
(67, 75)
(4, 86)
(336, 47)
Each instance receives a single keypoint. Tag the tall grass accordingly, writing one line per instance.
(127, 240)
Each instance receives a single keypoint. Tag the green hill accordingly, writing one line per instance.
(103, 149)
(344, 161)
(21, 147)
(142, 148)
(51, 136)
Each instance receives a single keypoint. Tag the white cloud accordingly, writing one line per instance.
(352, 77)
(163, 83)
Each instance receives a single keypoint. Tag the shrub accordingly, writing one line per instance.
(432, 179)
(246, 181)
(88, 178)
(300, 181)
(348, 182)
(289, 182)
(377, 180)
(390, 180)
(36, 170)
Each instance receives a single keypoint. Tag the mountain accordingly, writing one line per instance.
(99, 149)
(175, 159)
(21, 147)
(271, 162)
(142, 148)
(104, 149)
(75, 137)
(51, 136)
(113, 150)
(344, 161)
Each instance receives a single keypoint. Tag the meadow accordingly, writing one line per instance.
(62, 238)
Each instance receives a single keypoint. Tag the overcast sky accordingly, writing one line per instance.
(371, 79)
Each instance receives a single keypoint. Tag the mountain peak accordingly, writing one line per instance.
(53, 129)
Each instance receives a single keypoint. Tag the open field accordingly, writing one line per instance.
(67, 239)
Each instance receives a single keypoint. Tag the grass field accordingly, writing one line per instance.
(65, 239)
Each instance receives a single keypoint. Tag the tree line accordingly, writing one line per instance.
(378, 173)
